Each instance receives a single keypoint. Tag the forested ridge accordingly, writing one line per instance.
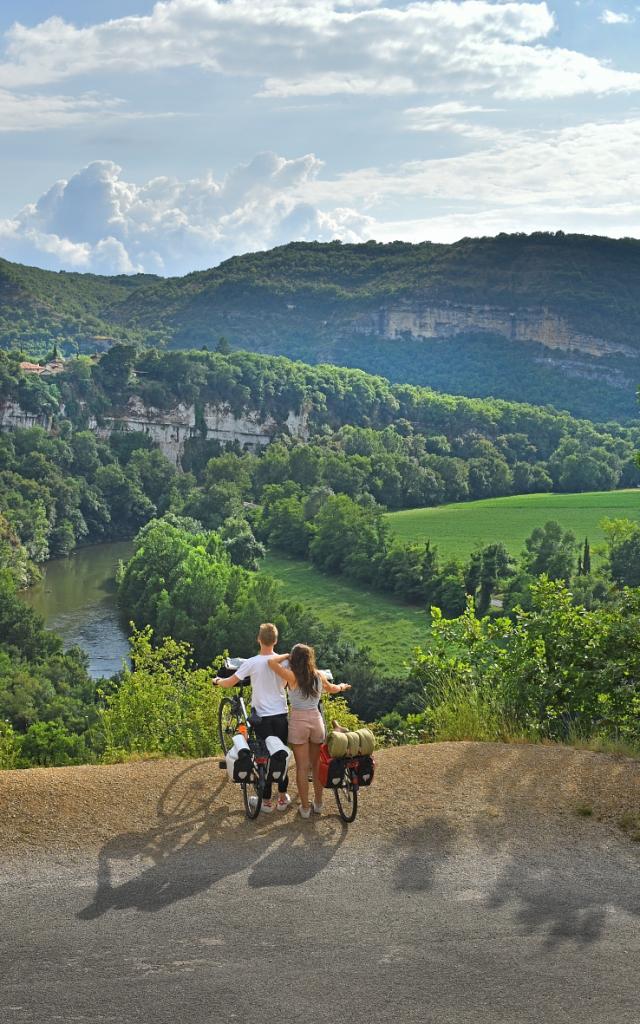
(401, 446)
(307, 300)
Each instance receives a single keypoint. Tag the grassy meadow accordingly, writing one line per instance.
(457, 529)
(390, 629)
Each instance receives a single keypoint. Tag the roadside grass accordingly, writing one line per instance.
(387, 627)
(457, 529)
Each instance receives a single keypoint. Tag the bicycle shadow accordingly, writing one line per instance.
(198, 843)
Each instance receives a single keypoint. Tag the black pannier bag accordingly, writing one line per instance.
(365, 769)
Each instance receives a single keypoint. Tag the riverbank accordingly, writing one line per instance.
(77, 599)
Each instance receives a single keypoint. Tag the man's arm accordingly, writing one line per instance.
(229, 681)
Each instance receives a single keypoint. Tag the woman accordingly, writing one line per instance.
(306, 726)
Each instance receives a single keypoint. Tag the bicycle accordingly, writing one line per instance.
(346, 793)
(232, 719)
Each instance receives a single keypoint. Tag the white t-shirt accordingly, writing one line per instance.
(268, 694)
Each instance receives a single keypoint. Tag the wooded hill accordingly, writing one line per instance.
(337, 303)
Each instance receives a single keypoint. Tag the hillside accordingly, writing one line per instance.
(490, 316)
(457, 529)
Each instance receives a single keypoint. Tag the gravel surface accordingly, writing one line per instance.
(480, 883)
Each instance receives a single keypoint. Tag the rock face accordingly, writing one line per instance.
(170, 429)
(426, 320)
(13, 415)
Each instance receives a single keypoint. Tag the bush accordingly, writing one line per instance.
(163, 705)
(9, 746)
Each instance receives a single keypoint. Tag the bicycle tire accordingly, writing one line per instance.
(253, 789)
(227, 724)
(346, 795)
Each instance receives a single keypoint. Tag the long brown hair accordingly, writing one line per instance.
(302, 661)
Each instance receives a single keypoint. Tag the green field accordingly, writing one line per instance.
(457, 529)
(390, 629)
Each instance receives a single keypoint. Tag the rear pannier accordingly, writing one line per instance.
(331, 770)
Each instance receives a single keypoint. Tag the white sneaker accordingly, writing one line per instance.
(317, 808)
(283, 801)
(303, 813)
(267, 808)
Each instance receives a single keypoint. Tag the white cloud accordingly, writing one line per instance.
(97, 221)
(580, 178)
(322, 47)
(615, 18)
(452, 117)
(335, 83)
(21, 112)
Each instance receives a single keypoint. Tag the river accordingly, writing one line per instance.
(77, 599)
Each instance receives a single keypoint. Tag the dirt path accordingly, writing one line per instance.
(470, 785)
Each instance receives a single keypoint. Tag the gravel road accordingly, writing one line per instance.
(303, 924)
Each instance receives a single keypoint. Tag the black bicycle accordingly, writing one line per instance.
(233, 719)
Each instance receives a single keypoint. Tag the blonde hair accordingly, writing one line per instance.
(268, 634)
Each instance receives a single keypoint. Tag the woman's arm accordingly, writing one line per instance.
(284, 673)
(328, 687)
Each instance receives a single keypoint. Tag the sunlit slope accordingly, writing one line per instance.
(457, 529)
(388, 628)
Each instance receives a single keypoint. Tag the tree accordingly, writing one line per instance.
(623, 541)
(241, 544)
(550, 550)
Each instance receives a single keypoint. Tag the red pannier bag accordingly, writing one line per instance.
(331, 769)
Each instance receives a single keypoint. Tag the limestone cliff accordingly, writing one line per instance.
(170, 429)
(13, 415)
(427, 320)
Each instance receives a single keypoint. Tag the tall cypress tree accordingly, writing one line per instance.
(586, 558)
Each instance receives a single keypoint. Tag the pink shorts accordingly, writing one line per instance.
(306, 727)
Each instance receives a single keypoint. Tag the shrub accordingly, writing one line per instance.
(9, 746)
(163, 705)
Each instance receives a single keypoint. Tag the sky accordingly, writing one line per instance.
(168, 137)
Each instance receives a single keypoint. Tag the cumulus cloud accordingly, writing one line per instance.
(97, 221)
(324, 47)
(582, 177)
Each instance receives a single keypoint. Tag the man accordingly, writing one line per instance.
(269, 700)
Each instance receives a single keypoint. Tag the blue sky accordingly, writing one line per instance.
(168, 137)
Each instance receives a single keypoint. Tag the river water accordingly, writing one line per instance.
(77, 599)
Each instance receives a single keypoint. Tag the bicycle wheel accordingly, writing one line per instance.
(252, 793)
(228, 723)
(346, 795)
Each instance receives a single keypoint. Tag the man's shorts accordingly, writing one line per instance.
(306, 726)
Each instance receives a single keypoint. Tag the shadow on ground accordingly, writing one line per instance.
(562, 875)
(183, 855)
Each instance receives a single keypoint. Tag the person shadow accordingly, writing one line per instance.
(198, 842)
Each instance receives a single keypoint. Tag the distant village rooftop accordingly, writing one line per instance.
(55, 366)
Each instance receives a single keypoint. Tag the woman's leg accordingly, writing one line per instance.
(314, 754)
(301, 754)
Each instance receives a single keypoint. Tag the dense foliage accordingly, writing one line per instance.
(397, 446)
(556, 671)
(324, 302)
(48, 712)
